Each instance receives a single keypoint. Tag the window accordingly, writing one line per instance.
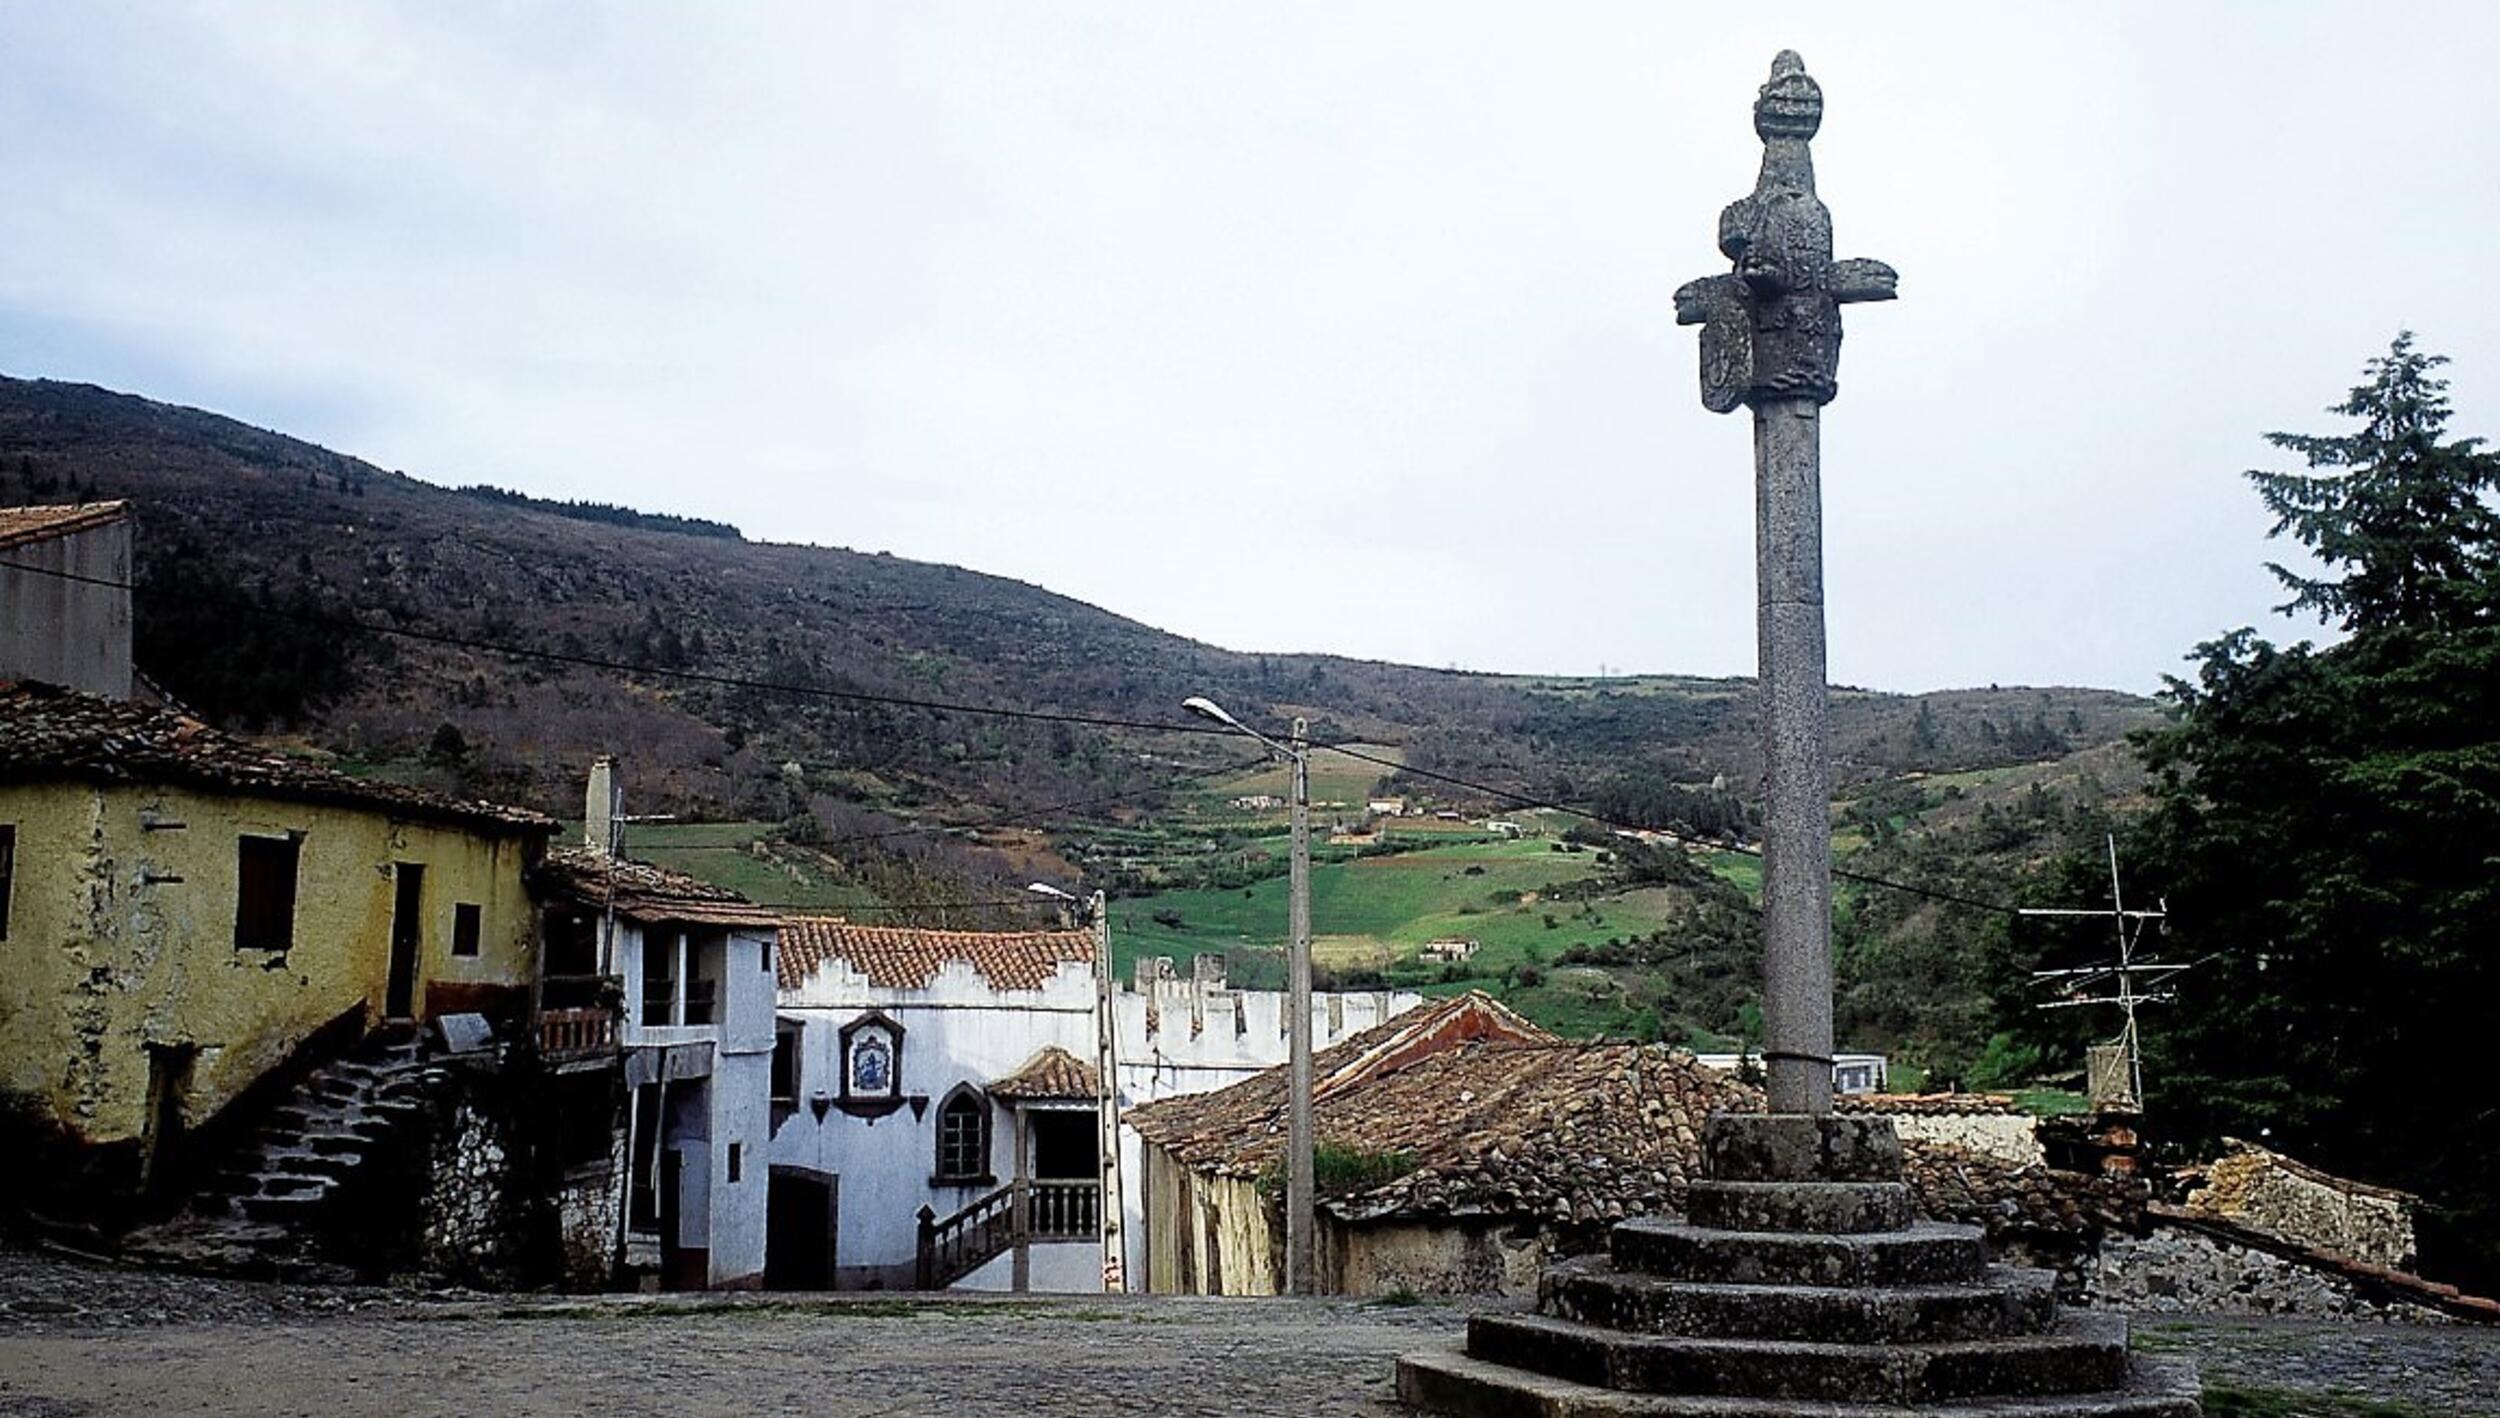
(963, 1145)
(764, 948)
(659, 980)
(264, 895)
(736, 1156)
(786, 1066)
(8, 872)
(464, 928)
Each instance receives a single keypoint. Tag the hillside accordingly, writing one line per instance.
(227, 513)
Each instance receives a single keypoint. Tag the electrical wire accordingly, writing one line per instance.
(349, 623)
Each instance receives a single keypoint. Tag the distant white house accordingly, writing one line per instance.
(934, 1114)
(1386, 807)
(1449, 948)
(1851, 1073)
(1502, 827)
(1258, 802)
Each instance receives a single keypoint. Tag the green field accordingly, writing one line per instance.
(726, 854)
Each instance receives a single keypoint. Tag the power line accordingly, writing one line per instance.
(349, 623)
(1524, 800)
(597, 662)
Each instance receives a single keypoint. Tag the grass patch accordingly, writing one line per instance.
(2225, 1400)
(2051, 1102)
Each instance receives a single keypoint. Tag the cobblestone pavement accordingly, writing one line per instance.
(80, 1339)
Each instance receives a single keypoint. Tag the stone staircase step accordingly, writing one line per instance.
(2083, 1353)
(306, 1163)
(1447, 1380)
(1827, 1208)
(1928, 1253)
(2003, 1301)
(295, 1184)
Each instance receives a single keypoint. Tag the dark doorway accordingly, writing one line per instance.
(802, 1216)
(673, 1254)
(160, 1146)
(407, 937)
(1064, 1147)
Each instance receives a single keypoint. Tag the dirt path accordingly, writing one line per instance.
(100, 1340)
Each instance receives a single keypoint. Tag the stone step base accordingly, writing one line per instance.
(1827, 1208)
(1448, 1381)
(1928, 1253)
(2003, 1301)
(2080, 1354)
(1800, 1147)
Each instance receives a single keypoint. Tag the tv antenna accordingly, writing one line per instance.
(2138, 979)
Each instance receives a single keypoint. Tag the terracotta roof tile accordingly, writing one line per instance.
(1930, 1104)
(48, 734)
(1052, 1073)
(908, 958)
(21, 525)
(643, 892)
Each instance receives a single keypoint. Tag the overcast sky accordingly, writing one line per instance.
(1324, 327)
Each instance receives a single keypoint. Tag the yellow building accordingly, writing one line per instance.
(182, 912)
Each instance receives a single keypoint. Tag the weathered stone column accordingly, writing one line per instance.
(1796, 752)
(1770, 341)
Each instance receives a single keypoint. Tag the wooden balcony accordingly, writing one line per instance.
(1019, 1212)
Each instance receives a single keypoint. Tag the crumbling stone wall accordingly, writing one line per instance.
(469, 1232)
(2272, 1193)
(2012, 1139)
(2179, 1269)
(1444, 1255)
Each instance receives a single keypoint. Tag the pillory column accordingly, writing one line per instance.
(1770, 340)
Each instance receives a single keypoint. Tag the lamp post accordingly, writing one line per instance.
(1110, 1207)
(1301, 1235)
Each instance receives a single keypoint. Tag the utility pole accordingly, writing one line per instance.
(1301, 1233)
(1301, 1181)
(2138, 980)
(1107, 1074)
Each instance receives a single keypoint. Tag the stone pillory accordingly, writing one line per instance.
(1799, 1279)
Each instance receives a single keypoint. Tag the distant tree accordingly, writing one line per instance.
(2400, 512)
(2326, 825)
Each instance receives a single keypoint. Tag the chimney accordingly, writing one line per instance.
(599, 806)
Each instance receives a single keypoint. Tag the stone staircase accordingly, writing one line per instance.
(271, 1207)
(1799, 1284)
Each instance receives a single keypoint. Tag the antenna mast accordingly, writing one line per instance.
(2138, 979)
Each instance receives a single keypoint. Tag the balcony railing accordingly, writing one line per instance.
(1020, 1211)
(572, 1032)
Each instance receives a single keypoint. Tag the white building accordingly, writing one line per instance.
(1851, 1073)
(934, 1116)
(696, 964)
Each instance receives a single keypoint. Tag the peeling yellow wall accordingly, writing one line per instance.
(121, 934)
(1227, 1220)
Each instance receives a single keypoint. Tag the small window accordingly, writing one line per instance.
(764, 948)
(786, 1066)
(963, 1149)
(464, 928)
(736, 1156)
(659, 980)
(264, 896)
(8, 872)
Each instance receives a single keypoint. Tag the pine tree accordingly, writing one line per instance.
(2397, 510)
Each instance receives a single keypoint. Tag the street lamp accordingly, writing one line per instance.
(1300, 1234)
(1110, 1207)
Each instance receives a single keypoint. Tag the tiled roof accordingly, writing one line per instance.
(643, 892)
(908, 958)
(1053, 1073)
(1531, 1127)
(20, 525)
(48, 733)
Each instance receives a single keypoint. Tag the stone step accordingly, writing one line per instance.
(2082, 1353)
(1928, 1253)
(294, 1184)
(1826, 1208)
(1799, 1147)
(1448, 1381)
(305, 1162)
(285, 1209)
(2003, 1301)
